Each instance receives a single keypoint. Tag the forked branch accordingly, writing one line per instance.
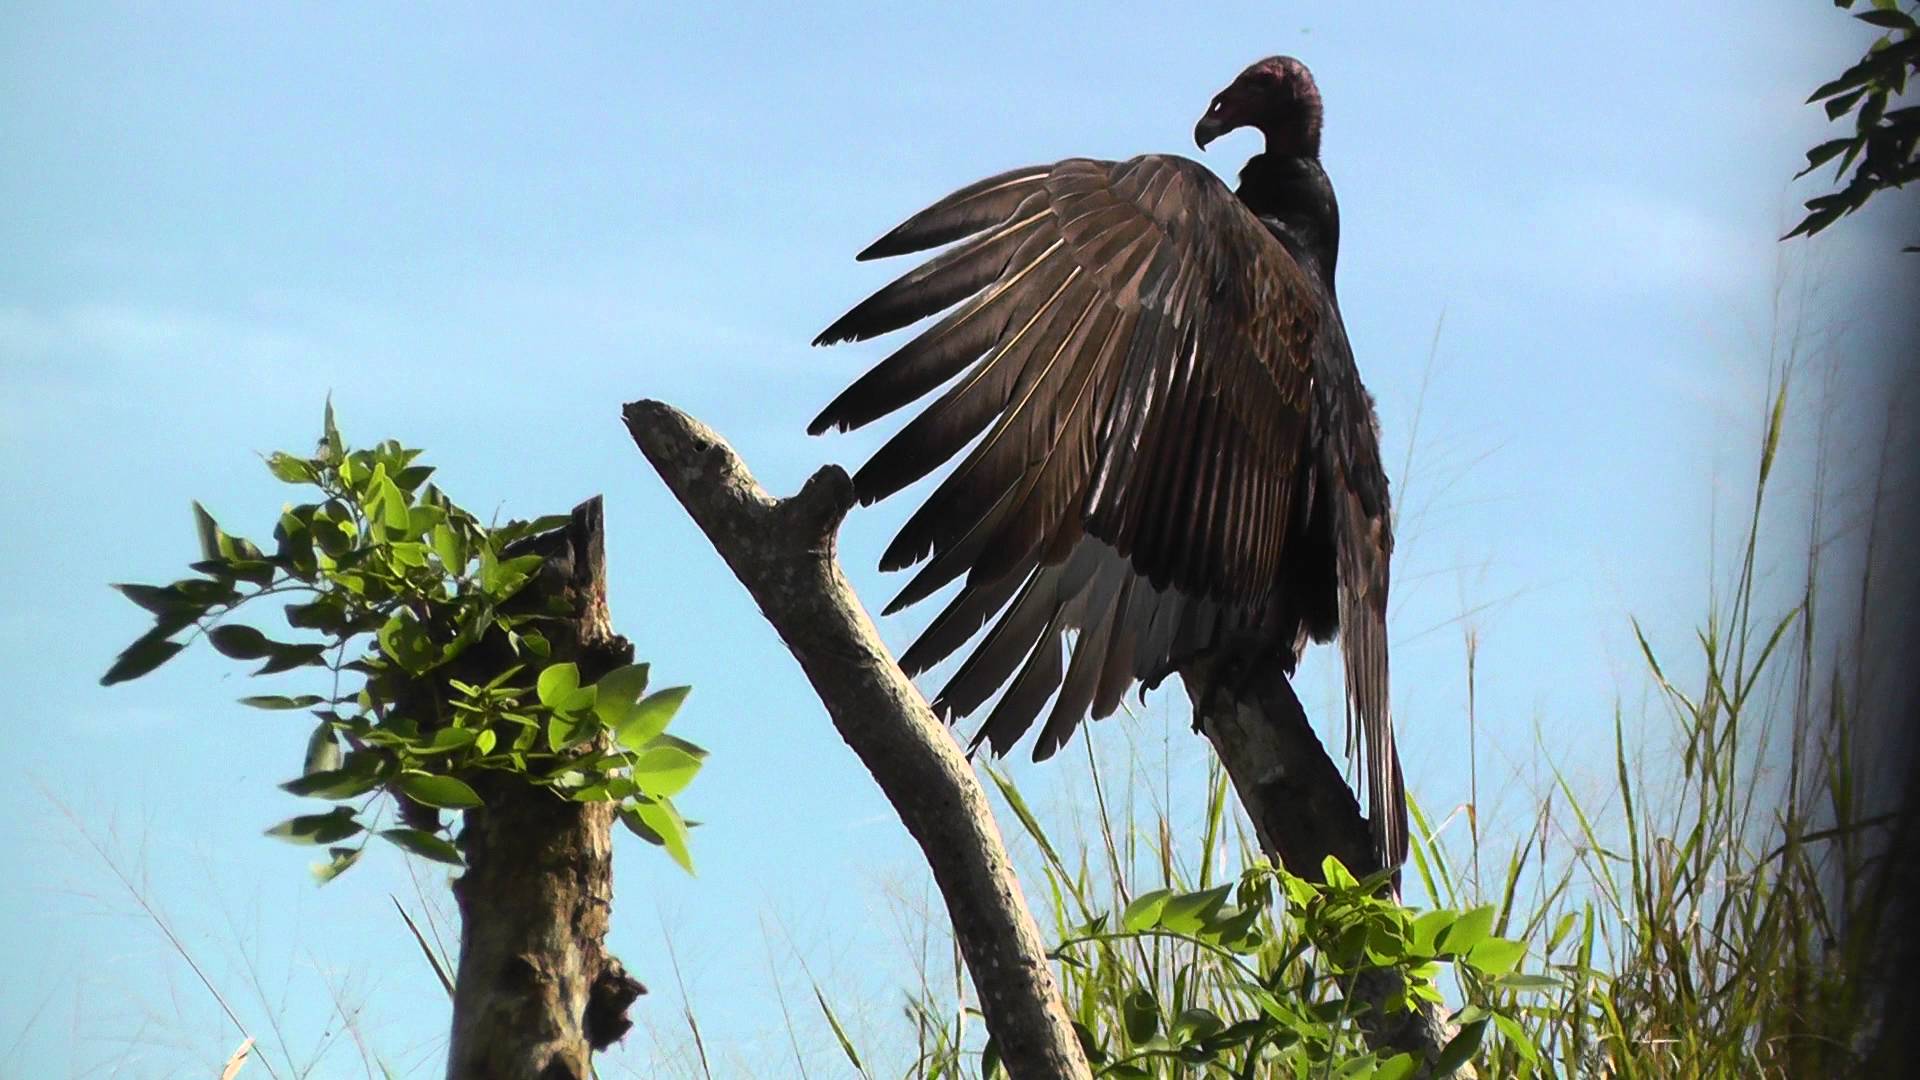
(782, 550)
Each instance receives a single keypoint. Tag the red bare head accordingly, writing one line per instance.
(1276, 95)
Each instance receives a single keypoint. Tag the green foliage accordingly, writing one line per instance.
(389, 582)
(1256, 978)
(1885, 142)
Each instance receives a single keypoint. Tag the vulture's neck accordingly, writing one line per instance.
(1293, 196)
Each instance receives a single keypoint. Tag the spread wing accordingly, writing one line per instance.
(1348, 441)
(1132, 358)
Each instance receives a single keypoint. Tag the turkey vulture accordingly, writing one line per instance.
(1178, 454)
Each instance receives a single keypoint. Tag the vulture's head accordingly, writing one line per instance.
(1278, 97)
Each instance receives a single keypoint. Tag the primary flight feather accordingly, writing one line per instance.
(1172, 452)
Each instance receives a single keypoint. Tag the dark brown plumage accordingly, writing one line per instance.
(1175, 453)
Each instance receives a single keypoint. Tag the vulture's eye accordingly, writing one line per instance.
(1217, 105)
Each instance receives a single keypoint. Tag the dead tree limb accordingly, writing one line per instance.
(1302, 811)
(782, 550)
(537, 991)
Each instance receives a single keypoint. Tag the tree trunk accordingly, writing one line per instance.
(783, 552)
(537, 993)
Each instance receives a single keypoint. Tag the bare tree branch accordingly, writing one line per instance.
(782, 550)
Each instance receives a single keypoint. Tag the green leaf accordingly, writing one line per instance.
(330, 435)
(1196, 1024)
(650, 717)
(146, 653)
(342, 858)
(404, 640)
(209, 531)
(501, 580)
(1840, 106)
(1427, 928)
(1469, 930)
(1517, 1037)
(426, 845)
(448, 546)
(288, 657)
(328, 613)
(161, 601)
(1144, 912)
(565, 730)
(393, 507)
(1560, 930)
(1824, 153)
(1496, 956)
(447, 740)
(1187, 913)
(698, 753)
(290, 469)
(323, 751)
(334, 825)
(1887, 18)
(665, 770)
(279, 701)
(840, 1033)
(1521, 983)
(1460, 1048)
(1140, 1014)
(355, 780)
(240, 642)
(206, 593)
(659, 823)
(444, 792)
(557, 684)
(1336, 875)
(1397, 1067)
(619, 690)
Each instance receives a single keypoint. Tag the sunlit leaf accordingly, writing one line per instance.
(659, 823)
(1144, 912)
(1496, 956)
(619, 690)
(650, 717)
(557, 683)
(665, 770)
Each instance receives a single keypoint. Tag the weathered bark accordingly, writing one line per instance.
(1303, 811)
(537, 993)
(783, 552)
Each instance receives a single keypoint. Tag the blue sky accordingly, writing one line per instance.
(483, 231)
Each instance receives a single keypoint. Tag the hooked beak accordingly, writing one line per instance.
(1210, 127)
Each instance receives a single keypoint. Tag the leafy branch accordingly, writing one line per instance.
(1884, 141)
(397, 583)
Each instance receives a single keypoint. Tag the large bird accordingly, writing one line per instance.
(1178, 455)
